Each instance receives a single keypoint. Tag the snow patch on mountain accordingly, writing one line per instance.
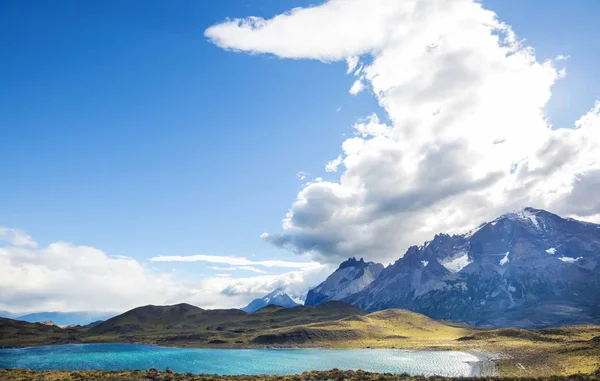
(569, 259)
(470, 233)
(505, 260)
(457, 263)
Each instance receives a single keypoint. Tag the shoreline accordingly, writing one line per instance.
(485, 366)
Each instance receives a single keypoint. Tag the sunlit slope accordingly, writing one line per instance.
(389, 328)
(530, 353)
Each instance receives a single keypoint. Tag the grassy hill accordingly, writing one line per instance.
(530, 353)
(186, 325)
(389, 328)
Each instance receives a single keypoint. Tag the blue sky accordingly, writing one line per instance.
(124, 129)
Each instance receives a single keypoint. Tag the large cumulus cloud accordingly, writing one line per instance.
(464, 137)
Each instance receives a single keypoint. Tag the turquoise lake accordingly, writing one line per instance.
(237, 361)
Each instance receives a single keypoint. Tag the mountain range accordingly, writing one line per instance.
(526, 269)
(277, 298)
(63, 318)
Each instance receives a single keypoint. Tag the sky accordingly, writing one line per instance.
(163, 152)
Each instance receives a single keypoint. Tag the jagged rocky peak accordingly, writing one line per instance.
(352, 262)
(351, 276)
(278, 297)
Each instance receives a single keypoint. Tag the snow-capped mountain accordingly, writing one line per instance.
(277, 297)
(526, 269)
(351, 277)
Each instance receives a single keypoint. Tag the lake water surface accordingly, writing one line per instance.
(237, 361)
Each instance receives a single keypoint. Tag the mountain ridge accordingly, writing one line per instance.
(527, 269)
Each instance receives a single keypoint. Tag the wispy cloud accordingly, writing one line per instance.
(16, 237)
(253, 269)
(234, 268)
(333, 165)
(232, 261)
(357, 87)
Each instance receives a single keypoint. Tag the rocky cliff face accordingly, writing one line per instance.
(351, 277)
(526, 269)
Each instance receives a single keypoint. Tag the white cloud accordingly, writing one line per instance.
(301, 175)
(16, 237)
(352, 63)
(357, 87)
(217, 268)
(247, 268)
(67, 277)
(250, 268)
(234, 261)
(333, 165)
(465, 138)
(294, 283)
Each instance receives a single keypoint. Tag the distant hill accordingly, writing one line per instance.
(149, 317)
(7, 314)
(65, 318)
(183, 324)
(179, 325)
(93, 324)
(18, 333)
(277, 297)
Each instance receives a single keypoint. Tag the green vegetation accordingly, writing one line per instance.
(553, 351)
(516, 352)
(330, 375)
(389, 328)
